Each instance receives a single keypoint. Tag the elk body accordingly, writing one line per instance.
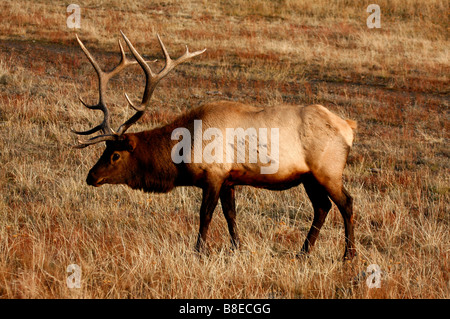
(312, 147)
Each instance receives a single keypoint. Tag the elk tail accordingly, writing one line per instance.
(352, 124)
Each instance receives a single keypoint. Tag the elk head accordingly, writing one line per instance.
(115, 166)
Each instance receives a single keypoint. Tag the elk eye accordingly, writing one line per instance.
(115, 157)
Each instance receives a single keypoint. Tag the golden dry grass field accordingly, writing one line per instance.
(394, 81)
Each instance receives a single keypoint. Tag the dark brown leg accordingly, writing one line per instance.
(209, 203)
(229, 210)
(339, 195)
(344, 202)
(321, 204)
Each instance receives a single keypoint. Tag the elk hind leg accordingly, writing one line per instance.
(344, 201)
(321, 205)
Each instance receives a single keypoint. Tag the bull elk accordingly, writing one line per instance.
(311, 144)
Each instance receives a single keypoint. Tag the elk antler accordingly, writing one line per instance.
(151, 81)
(103, 78)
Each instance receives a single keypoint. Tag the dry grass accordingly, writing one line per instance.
(393, 81)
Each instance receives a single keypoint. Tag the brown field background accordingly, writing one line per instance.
(393, 81)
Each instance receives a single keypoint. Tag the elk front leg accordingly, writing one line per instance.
(209, 203)
(229, 210)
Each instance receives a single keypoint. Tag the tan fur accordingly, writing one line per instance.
(311, 139)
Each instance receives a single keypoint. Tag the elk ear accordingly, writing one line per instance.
(131, 142)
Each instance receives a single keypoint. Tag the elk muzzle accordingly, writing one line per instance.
(93, 181)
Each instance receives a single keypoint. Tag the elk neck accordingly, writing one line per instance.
(154, 169)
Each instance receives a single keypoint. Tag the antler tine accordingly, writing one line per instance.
(88, 132)
(164, 50)
(149, 75)
(124, 62)
(170, 64)
(103, 78)
(151, 78)
(95, 140)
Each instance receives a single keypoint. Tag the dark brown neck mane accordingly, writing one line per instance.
(155, 171)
